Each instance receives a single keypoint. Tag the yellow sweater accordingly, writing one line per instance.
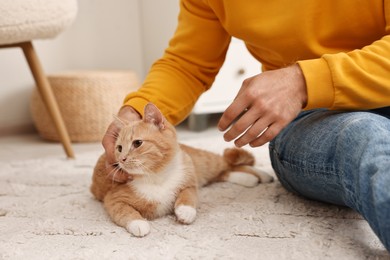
(342, 47)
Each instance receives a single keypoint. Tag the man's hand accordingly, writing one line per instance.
(265, 104)
(113, 172)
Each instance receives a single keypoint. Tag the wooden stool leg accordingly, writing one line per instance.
(47, 95)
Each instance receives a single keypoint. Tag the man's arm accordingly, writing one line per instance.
(188, 66)
(174, 83)
(353, 80)
(358, 79)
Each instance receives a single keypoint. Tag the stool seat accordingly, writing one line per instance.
(25, 20)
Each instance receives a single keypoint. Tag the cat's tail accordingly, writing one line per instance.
(241, 164)
(238, 157)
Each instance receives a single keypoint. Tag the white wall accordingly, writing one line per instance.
(107, 34)
(158, 23)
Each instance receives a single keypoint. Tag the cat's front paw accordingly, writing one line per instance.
(138, 228)
(185, 214)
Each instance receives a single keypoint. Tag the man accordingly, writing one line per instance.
(329, 58)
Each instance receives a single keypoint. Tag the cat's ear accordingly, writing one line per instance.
(153, 115)
(119, 122)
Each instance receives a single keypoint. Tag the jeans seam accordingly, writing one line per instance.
(348, 194)
(309, 169)
(329, 170)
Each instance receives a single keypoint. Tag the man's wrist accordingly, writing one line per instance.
(299, 81)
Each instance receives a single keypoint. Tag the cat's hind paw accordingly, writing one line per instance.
(185, 214)
(264, 177)
(138, 228)
(243, 178)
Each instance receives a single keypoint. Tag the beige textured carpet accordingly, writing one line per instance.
(47, 212)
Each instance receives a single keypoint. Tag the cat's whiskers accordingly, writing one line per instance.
(135, 163)
(112, 174)
(144, 168)
(141, 169)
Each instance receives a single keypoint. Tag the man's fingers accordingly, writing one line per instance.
(267, 135)
(233, 113)
(108, 142)
(253, 132)
(241, 124)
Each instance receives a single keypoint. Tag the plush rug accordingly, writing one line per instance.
(47, 212)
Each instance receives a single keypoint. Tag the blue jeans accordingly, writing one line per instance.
(341, 158)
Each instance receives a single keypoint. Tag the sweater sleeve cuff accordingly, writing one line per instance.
(320, 90)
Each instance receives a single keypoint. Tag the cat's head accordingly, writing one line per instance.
(145, 146)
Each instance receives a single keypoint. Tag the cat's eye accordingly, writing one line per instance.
(119, 148)
(137, 143)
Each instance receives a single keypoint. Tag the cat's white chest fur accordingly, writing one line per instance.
(161, 188)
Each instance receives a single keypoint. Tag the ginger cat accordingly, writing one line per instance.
(166, 174)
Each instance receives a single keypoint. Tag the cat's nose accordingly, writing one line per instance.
(123, 159)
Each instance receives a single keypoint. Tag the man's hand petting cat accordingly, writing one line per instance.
(265, 104)
(126, 113)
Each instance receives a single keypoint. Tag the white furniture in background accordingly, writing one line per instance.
(22, 22)
(239, 65)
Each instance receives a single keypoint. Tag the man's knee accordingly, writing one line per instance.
(359, 127)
